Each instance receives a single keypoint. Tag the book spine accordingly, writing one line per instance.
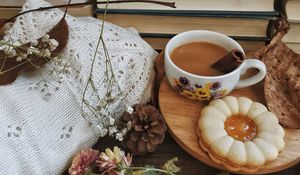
(280, 7)
(194, 13)
(245, 38)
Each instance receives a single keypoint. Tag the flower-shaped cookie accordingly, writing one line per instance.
(239, 133)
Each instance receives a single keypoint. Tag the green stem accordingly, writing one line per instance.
(95, 55)
(148, 169)
(90, 173)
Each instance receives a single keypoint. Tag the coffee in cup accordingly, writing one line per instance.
(188, 58)
(195, 58)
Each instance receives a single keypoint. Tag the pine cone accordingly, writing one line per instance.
(148, 129)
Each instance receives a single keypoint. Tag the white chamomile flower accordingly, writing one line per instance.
(53, 44)
(45, 38)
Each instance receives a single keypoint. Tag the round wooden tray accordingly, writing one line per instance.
(182, 115)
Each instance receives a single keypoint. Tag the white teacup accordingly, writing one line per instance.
(209, 87)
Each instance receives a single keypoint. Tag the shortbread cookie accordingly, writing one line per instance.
(239, 133)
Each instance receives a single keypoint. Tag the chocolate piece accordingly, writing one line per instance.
(230, 61)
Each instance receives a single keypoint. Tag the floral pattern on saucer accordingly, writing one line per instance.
(207, 91)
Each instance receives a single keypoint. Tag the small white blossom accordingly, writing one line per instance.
(17, 43)
(101, 104)
(129, 110)
(34, 43)
(33, 50)
(124, 131)
(119, 136)
(10, 51)
(111, 121)
(23, 55)
(53, 44)
(128, 125)
(19, 59)
(45, 38)
(46, 53)
(112, 130)
(7, 27)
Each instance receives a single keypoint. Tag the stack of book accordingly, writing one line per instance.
(247, 21)
(292, 12)
(16, 6)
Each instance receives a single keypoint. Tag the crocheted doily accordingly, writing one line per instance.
(41, 113)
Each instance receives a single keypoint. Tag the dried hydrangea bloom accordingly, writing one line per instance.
(82, 161)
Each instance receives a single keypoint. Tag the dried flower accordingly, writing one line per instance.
(82, 161)
(129, 110)
(113, 162)
(46, 53)
(147, 129)
(19, 59)
(53, 44)
(7, 27)
(34, 43)
(45, 38)
(9, 51)
(32, 50)
(171, 167)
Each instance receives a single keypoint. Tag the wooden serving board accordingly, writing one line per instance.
(181, 115)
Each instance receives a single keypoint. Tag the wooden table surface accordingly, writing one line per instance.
(167, 150)
(170, 149)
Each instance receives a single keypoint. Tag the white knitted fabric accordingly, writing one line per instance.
(42, 126)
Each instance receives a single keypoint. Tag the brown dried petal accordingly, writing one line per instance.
(142, 146)
(155, 116)
(158, 129)
(126, 116)
(151, 147)
(157, 139)
(138, 128)
(143, 116)
(138, 107)
(149, 110)
(132, 145)
(135, 136)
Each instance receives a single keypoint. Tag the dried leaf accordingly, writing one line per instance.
(281, 85)
(10, 67)
(2, 23)
(159, 75)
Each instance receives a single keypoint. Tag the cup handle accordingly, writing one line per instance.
(252, 63)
